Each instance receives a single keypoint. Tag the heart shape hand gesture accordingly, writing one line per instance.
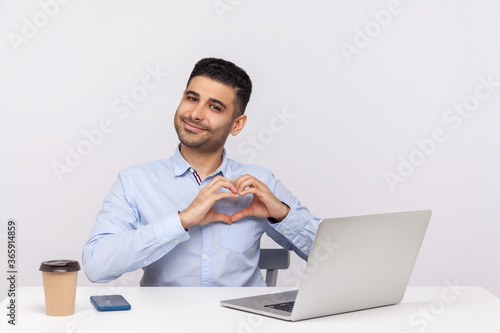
(264, 203)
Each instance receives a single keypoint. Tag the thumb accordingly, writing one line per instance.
(241, 214)
(222, 217)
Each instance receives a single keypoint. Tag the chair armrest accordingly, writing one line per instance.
(274, 259)
(271, 260)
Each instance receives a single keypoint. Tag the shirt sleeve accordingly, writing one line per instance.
(297, 230)
(120, 243)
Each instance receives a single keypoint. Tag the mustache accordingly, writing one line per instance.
(194, 122)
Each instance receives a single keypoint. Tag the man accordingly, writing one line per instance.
(196, 219)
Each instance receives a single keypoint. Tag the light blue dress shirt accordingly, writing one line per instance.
(139, 227)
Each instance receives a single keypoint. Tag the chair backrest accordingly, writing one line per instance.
(271, 260)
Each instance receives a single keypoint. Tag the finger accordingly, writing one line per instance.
(241, 214)
(220, 182)
(222, 217)
(224, 195)
(241, 179)
(252, 190)
(246, 181)
(260, 190)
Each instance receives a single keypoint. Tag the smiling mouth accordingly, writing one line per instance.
(193, 128)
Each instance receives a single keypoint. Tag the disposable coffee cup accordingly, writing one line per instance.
(59, 285)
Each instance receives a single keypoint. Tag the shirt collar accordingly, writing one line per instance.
(181, 166)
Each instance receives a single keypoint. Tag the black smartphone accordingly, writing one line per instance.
(110, 303)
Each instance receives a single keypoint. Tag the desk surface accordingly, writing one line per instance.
(424, 309)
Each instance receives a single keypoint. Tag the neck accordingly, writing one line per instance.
(205, 163)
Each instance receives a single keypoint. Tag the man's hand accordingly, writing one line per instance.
(200, 210)
(264, 203)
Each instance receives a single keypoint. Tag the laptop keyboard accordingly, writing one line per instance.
(287, 306)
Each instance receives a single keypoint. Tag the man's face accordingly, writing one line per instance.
(204, 118)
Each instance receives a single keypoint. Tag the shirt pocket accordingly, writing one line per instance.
(240, 235)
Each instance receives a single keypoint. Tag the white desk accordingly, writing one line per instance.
(424, 309)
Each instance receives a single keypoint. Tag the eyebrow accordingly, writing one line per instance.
(213, 100)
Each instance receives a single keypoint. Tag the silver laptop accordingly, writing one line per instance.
(355, 263)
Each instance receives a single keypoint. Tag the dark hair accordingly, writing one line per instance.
(229, 74)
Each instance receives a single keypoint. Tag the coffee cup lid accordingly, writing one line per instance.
(60, 266)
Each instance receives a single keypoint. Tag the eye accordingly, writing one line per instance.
(215, 107)
(192, 99)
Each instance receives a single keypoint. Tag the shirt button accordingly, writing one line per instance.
(145, 262)
(285, 231)
(205, 257)
(191, 170)
(305, 248)
(176, 241)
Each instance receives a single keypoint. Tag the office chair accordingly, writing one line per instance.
(271, 260)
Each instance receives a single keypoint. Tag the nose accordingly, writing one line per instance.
(198, 112)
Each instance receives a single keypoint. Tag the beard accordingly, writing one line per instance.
(208, 141)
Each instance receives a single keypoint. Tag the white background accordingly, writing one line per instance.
(353, 116)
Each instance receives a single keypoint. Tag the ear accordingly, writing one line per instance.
(238, 124)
